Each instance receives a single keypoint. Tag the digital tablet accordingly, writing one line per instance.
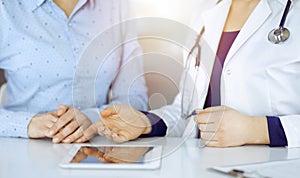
(113, 157)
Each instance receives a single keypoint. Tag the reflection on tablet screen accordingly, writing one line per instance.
(111, 155)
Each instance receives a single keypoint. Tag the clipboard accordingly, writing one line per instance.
(274, 169)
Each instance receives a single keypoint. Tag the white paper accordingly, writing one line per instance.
(276, 169)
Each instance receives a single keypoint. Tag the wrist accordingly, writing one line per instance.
(258, 131)
(148, 126)
(30, 127)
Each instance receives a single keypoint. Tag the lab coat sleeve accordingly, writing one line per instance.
(291, 126)
(276, 133)
(159, 127)
(171, 116)
(14, 124)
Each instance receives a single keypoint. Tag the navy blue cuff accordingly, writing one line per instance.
(159, 128)
(276, 132)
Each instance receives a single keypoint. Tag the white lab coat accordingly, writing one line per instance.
(259, 78)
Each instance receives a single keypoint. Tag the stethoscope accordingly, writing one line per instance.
(281, 34)
(186, 112)
(276, 36)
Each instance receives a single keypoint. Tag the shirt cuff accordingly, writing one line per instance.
(20, 128)
(159, 128)
(276, 133)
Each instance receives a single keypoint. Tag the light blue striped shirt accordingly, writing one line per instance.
(39, 51)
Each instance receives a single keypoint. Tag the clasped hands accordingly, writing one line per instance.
(65, 125)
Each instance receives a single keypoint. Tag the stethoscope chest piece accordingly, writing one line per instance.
(279, 35)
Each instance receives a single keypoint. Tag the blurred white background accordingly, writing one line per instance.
(180, 10)
(163, 71)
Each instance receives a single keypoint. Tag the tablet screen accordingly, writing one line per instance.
(111, 155)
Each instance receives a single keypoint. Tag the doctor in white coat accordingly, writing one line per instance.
(259, 83)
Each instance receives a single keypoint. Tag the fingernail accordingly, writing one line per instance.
(51, 132)
(79, 140)
(67, 140)
(55, 140)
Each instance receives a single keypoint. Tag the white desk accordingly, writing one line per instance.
(40, 158)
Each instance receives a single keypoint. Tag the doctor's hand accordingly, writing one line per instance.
(119, 123)
(70, 125)
(225, 127)
(40, 124)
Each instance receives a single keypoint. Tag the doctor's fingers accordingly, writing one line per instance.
(113, 133)
(115, 130)
(90, 132)
(112, 121)
(120, 136)
(97, 127)
(207, 118)
(109, 111)
(215, 109)
(208, 127)
(208, 136)
(107, 133)
(212, 143)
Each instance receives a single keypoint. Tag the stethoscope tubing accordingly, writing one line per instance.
(285, 13)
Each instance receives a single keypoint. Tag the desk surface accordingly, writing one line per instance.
(41, 158)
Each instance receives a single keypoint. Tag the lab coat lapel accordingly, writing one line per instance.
(255, 21)
(214, 20)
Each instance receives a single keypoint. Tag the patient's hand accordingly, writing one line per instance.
(40, 124)
(70, 125)
(119, 123)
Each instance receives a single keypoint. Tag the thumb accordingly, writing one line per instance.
(61, 109)
(109, 111)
